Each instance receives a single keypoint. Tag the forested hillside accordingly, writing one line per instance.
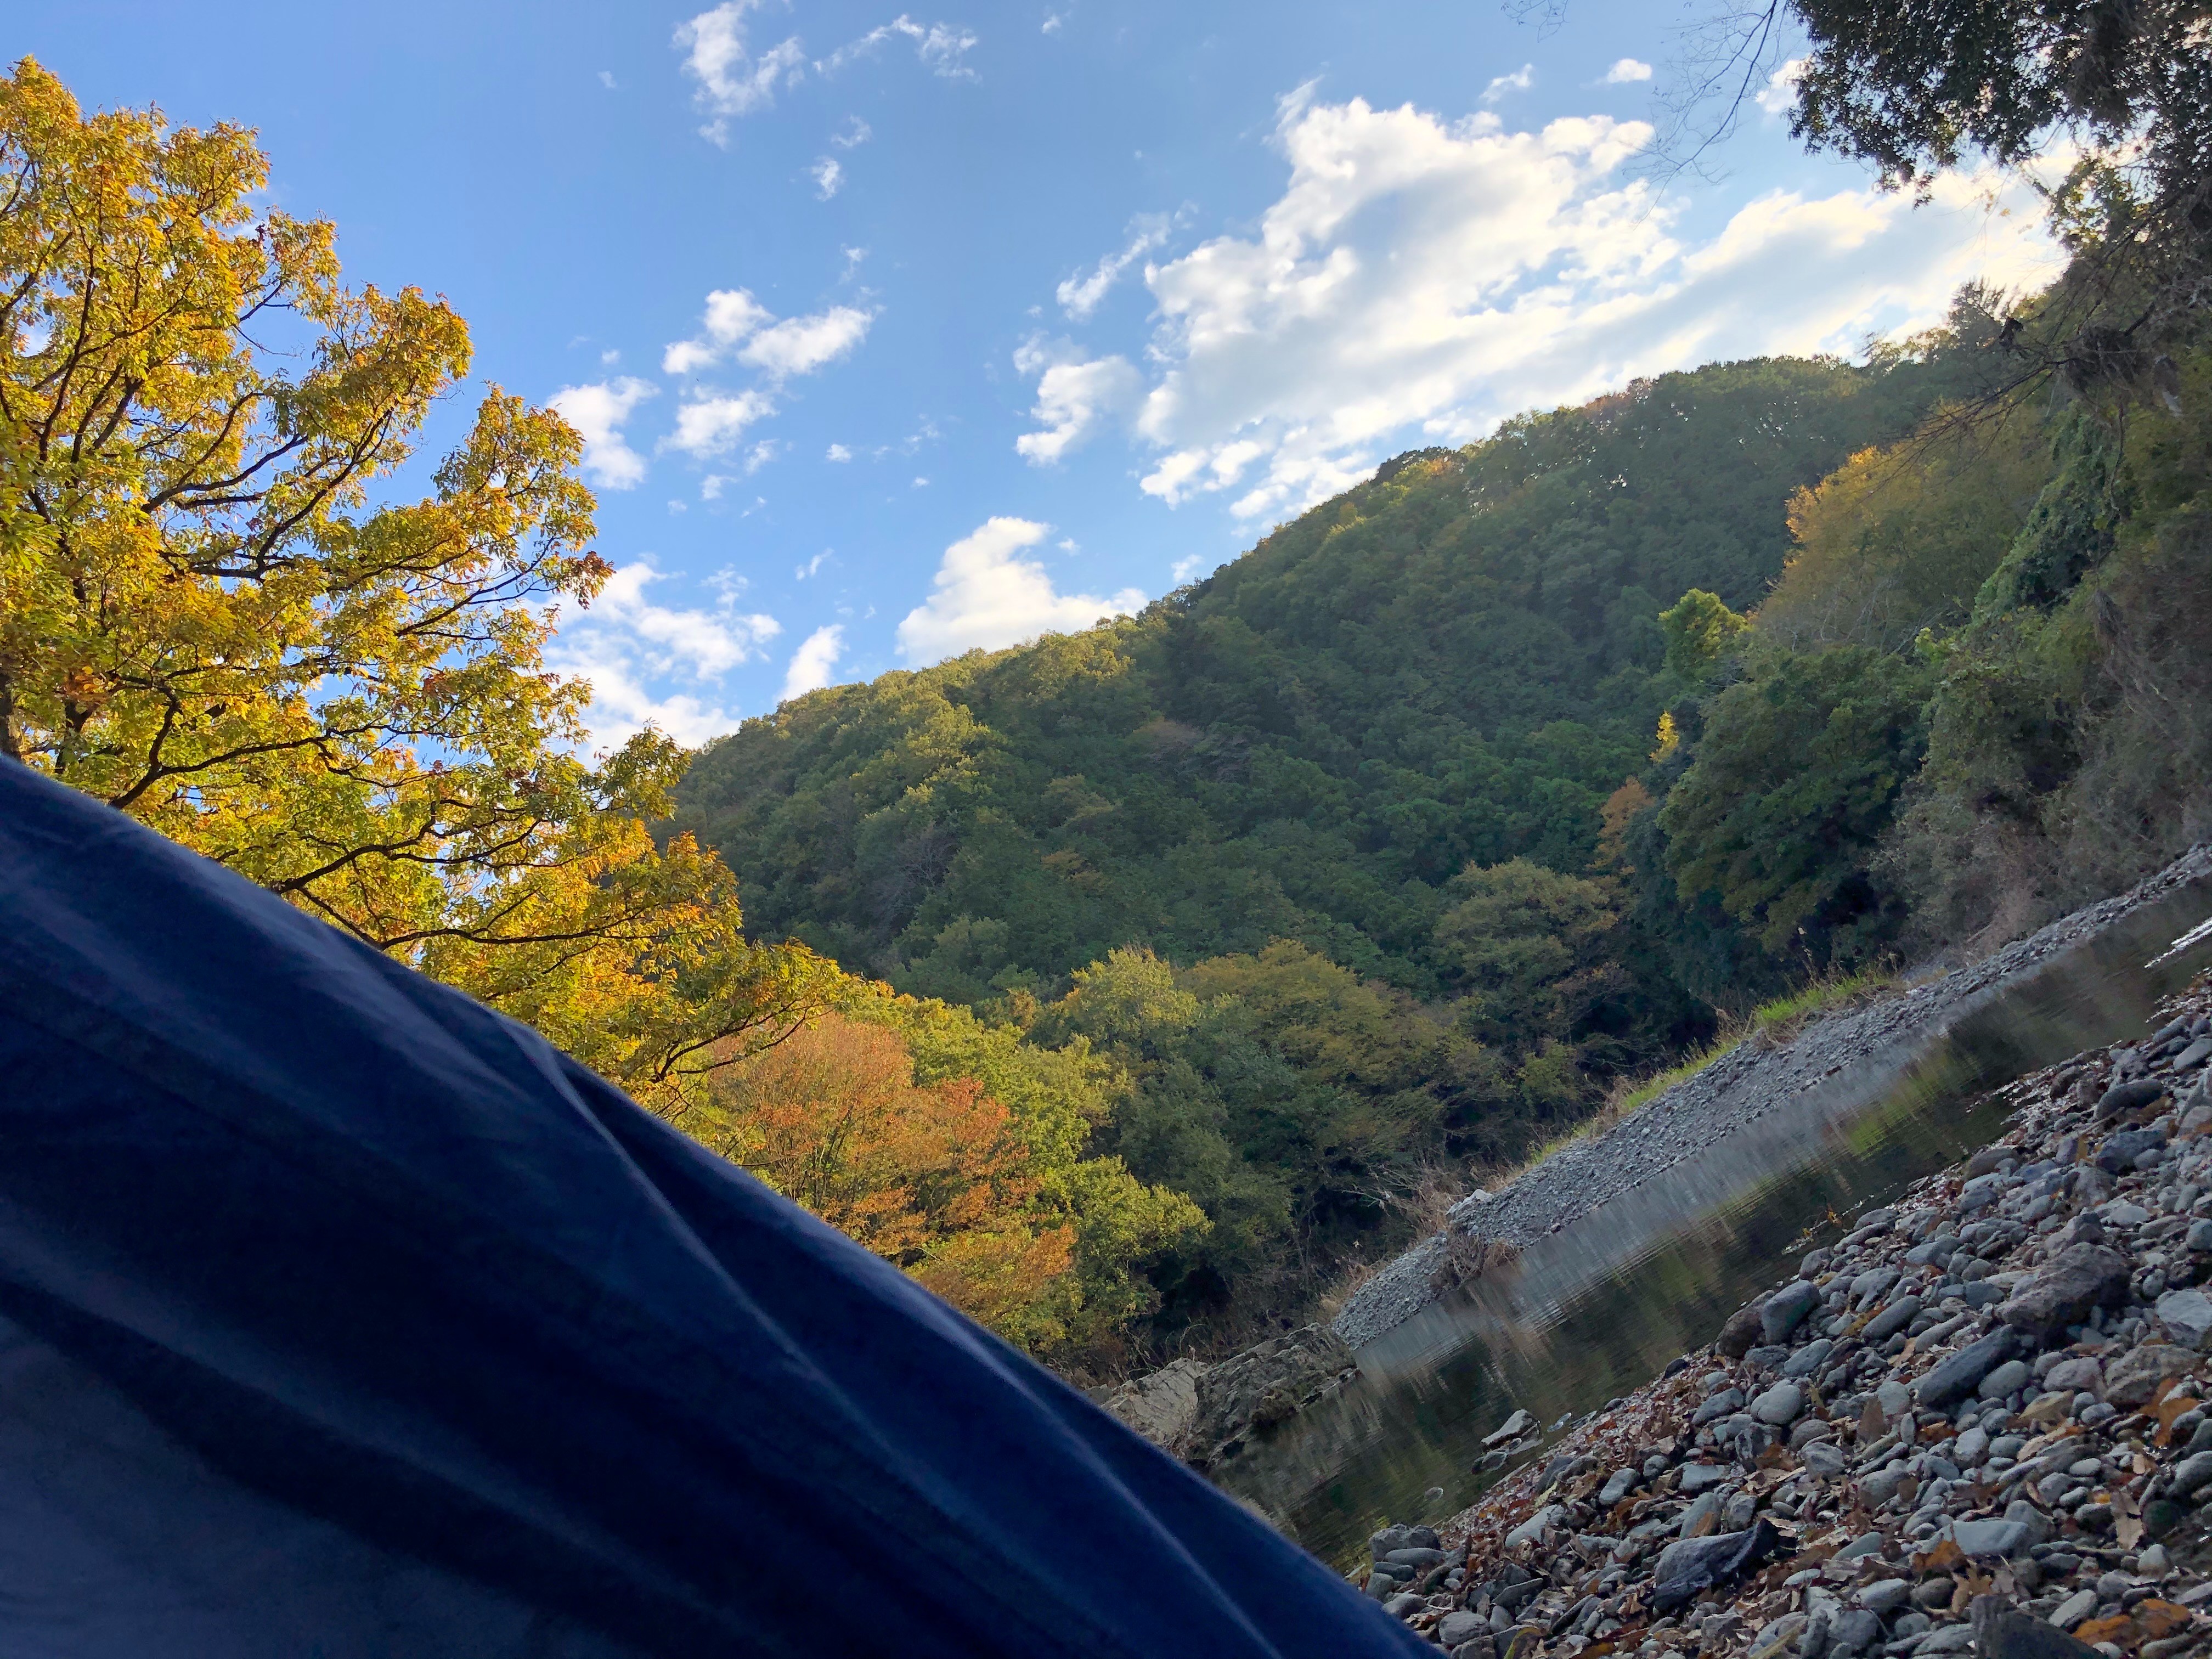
(1458, 661)
(1315, 852)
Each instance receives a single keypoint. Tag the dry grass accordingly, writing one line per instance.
(1771, 1026)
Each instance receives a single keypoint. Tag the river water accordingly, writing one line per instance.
(1601, 1306)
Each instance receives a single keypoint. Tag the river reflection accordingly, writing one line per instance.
(1599, 1307)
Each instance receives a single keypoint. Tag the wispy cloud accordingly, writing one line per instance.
(829, 176)
(1080, 296)
(734, 81)
(837, 452)
(1520, 81)
(814, 664)
(598, 413)
(649, 664)
(854, 133)
(943, 48)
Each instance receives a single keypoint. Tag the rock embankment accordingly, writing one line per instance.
(1206, 1414)
(1980, 1420)
(1736, 1090)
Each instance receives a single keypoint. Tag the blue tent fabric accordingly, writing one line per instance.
(340, 1315)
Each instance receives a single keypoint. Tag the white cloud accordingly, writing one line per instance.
(1625, 70)
(854, 133)
(812, 567)
(799, 345)
(709, 425)
(732, 80)
(829, 174)
(626, 647)
(607, 80)
(598, 413)
(737, 325)
(814, 663)
(942, 47)
(1188, 568)
(1073, 396)
(1054, 21)
(731, 315)
(1520, 81)
(762, 454)
(1779, 94)
(987, 595)
(1078, 297)
(837, 452)
(1420, 279)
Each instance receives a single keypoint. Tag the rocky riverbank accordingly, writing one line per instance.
(1982, 1420)
(1207, 1413)
(1737, 1090)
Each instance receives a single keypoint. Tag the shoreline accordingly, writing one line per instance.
(1975, 1421)
(1737, 1089)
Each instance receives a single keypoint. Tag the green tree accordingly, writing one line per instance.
(1794, 780)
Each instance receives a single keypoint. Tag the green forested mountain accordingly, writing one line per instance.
(1311, 849)
(1458, 661)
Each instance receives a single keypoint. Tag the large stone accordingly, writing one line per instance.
(1990, 1537)
(2191, 1475)
(1825, 1459)
(1721, 1404)
(2007, 1379)
(1701, 1477)
(1161, 1407)
(1511, 1429)
(1249, 1393)
(1744, 1328)
(1459, 1626)
(2118, 1154)
(1618, 1484)
(1533, 1530)
(2129, 1096)
(2132, 1379)
(1892, 1320)
(1953, 1379)
(1690, 1566)
(1814, 1354)
(1777, 1636)
(1779, 1405)
(2073, 1375)
(2064, 1290)
(1782, 1312)
(2187, 1316)
(2001, 1632)
(1884, 1595)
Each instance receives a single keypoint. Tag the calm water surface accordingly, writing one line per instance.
(1599, 1307)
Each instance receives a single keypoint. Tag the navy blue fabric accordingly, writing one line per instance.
(387, 1256)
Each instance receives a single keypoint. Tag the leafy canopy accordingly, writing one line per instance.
(219, 613)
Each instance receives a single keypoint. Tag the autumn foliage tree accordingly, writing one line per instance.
(223, 612)
(935, 1176)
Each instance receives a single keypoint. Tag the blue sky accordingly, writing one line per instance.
(897, 333)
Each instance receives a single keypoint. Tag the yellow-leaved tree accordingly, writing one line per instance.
(228, 608)
(222, 613)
